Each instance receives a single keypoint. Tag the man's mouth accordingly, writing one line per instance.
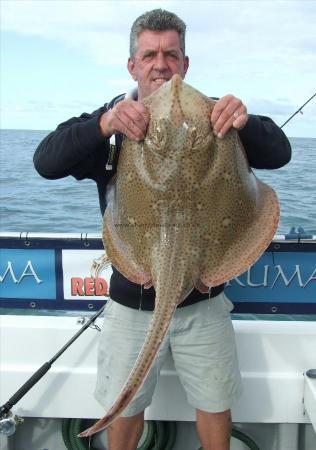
(160, 79)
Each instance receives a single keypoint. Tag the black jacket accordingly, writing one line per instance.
(78, 148)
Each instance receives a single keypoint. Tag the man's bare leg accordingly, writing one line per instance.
(125, 432)
(214, 429)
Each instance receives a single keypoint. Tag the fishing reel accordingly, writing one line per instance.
(9, 422)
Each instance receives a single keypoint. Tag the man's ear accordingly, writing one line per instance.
(131, 68)
(186, 64)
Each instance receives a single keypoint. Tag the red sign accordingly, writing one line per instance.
(89, 286)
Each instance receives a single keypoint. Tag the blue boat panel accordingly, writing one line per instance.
(283, 277)
(27, 274)
(36, 274)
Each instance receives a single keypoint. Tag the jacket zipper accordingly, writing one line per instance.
(109, 164)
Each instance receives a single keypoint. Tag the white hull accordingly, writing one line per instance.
(273, 359)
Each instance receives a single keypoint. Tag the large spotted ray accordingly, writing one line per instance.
(185, 211)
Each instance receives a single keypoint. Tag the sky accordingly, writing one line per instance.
(60, 58)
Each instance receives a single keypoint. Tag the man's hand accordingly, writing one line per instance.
(127, 117)
(228, 112)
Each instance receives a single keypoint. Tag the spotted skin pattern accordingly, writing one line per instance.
(184, 211)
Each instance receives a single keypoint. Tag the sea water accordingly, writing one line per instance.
(31, 203)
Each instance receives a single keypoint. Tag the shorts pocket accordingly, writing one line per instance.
(228, 304)
(108, 305)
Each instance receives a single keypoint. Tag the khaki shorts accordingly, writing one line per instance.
(202, 342)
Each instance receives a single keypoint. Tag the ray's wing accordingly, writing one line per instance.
(120, 253)
(244, 214)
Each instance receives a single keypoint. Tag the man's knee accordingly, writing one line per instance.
(221, 415)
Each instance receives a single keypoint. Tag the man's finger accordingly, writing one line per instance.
(139, 114)
(234, 122)
(228, 112)
(224, 110)
(219, 106)
(125, 125)
(131, 119)
(240, 121)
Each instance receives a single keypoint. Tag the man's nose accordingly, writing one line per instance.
(160, 61)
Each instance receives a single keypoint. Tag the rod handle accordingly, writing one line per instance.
(29, 384)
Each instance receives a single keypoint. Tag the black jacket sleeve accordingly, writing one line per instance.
(74, 148)
(266, 145)
(78, 148)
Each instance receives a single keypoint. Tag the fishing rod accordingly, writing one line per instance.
(299, 110)
(8, 421)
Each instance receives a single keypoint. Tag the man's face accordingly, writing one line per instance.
(157, 58)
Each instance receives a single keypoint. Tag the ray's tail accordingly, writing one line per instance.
(158, 329)
(170, 285)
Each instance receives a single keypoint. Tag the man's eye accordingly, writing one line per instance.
(148, 56)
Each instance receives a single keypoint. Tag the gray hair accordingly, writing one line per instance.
(156, 20)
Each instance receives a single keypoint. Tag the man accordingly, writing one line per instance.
(201, 337)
